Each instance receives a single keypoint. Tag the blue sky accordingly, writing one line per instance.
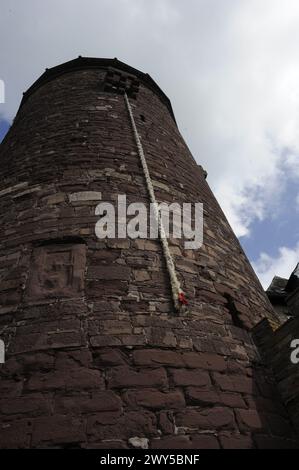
(4, 126)
(231, 70)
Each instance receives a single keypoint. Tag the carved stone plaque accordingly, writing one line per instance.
(57, 271)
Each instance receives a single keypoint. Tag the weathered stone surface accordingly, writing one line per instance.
(235, 441)
(85, 196)
(94, 402)
(16, 435)
(106, 426)
(33, 405)
(186, 442)
(210, 419)
(204, 361)
(235, 383)
(185, 377)
(97, 357)
(154, 399)
(57, 430)
(152, 357)
(199, 396)
(275, 343)
(124, 377)
(249, 419)
(73, 379)
(113, 272)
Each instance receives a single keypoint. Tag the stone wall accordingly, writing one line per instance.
(97, 357)
(275, 345)
(293, 302)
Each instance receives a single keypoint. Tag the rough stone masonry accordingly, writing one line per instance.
(96, 356)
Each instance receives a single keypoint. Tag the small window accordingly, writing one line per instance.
(236, 319)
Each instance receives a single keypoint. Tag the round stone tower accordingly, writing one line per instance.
(97, 354)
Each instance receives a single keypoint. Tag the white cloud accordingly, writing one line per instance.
(230, 68)
(292, 165)
(266, 267)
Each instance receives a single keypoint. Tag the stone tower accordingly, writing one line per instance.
(96, 354)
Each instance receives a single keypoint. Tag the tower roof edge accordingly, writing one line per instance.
(91, 62)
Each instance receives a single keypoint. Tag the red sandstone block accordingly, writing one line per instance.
(211, 297)
(16, 435)
(57, 430)
(97, 401)
(104, 256)
(210, 419)
(185, 377)
(204, 361)
(32, 405)
(233, 400)
(110, 273)
(186, 442)
(99, 289)
(10, 388)
(64, 339)
(115, 327)
(123, 244)
(151, 357)
(107, 445)
(173, 442)
(236, 368)
(124, 377)
(243, 309)
(222, 289)
(44, 341)
(100, 341)
(235, 441)
(71, 359)
(202, 441)
(198, 396)
(222, 346)
(105, 418)
(249, 420)
(166, 422)
(72, 379)
(37, 361)
(234, 383)
(134, 340)
(130, 424)
(109, 358)
(106, 307)
(154, 399)
(224, 382)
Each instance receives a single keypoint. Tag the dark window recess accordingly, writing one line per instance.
(235, 315)
(118, 82)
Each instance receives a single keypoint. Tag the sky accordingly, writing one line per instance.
(231, 71)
